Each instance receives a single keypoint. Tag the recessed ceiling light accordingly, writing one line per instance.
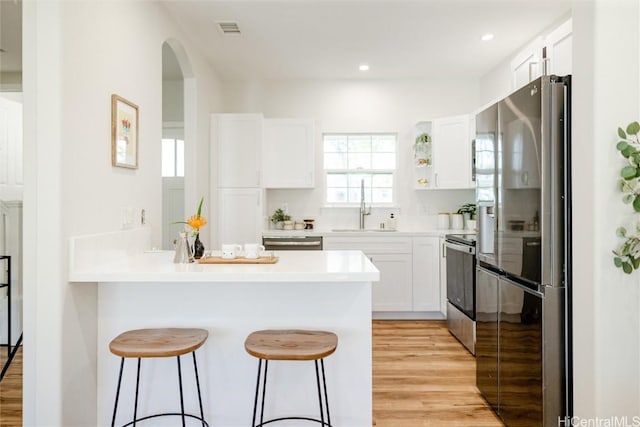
(363, 67)
(486, 37)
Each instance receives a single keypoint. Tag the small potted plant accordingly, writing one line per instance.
(278, 218)
(468, 210)
(422, 150)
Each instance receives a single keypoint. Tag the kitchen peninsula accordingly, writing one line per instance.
(323, 290)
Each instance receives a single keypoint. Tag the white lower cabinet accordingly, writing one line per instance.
(409, 272)
(393, 292)
(392, 256)
(426, 274)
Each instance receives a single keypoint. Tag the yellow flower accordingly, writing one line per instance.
(196, 221)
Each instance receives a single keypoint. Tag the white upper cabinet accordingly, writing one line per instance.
(238, 138)
(559, 47)
(288, 153)
(527, 65)
(552, 52)
(451, 153)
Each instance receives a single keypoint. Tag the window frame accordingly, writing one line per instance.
(393, 172)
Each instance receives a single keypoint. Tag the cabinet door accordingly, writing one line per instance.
(451, 153)
(526, 66)
(559, 46)
(240, 216)
(426, 277)
(288, 153)
(393, 292)
(238, 138)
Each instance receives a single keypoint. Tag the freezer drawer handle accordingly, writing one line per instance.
(530, 244)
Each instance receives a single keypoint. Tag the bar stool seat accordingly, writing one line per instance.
(154, 343)
(291, 345)
(165, 342)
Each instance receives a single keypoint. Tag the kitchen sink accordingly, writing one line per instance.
(367, 230)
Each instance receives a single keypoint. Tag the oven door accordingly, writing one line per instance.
(461, 277)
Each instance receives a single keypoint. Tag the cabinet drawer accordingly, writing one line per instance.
(370, 245)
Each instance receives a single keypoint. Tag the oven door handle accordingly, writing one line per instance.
(292, 243)
(460, 248)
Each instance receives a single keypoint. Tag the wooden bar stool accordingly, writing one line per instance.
(165, 342)
(291, 345)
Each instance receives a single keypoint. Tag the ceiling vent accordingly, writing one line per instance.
(229, 27)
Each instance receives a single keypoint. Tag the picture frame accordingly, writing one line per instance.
(124, 133)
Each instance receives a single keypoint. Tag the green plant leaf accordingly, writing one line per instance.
(633, 128)
(636, 263)
(627, 268)
(636, 204)
(622, 145)
(622, 134)
(618, 262)
(628, 151)
(628, 198)
(628, 172)
(621, 232)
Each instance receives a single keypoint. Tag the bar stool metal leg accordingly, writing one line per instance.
(326, 398)
(195, 369)
(264, 389)
(255, 400)
(319, 395)
(135, 407)
(181, 395)
(115, 405)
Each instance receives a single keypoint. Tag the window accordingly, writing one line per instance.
(350, 159)
(172, 157)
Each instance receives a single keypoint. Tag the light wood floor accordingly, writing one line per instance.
(11, 391)
(422, 377)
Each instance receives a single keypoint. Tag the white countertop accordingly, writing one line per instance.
(363, 233)
(292, 266)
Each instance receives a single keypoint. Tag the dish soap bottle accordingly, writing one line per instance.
(392, 223)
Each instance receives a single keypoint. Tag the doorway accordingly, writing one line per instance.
(173, 147)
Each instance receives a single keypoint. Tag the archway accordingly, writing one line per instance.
(178, 128)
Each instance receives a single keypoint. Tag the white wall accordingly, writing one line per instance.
(361, 106)
(173, 100)
(76, 55)
(606, 95)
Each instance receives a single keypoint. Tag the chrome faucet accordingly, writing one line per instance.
(363, 209)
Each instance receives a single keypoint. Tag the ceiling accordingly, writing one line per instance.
(328, 39)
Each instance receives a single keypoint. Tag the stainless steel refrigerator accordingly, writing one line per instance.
(523, 277)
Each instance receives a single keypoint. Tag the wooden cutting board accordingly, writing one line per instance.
(238, 260)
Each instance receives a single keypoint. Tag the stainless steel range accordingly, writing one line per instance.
(461, 288)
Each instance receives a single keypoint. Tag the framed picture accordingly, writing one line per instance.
(124, 133)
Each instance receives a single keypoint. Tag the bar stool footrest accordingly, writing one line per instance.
(293, 418)
(168, 414)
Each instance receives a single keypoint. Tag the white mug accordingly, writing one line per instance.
(230, 251)
(252, 250)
